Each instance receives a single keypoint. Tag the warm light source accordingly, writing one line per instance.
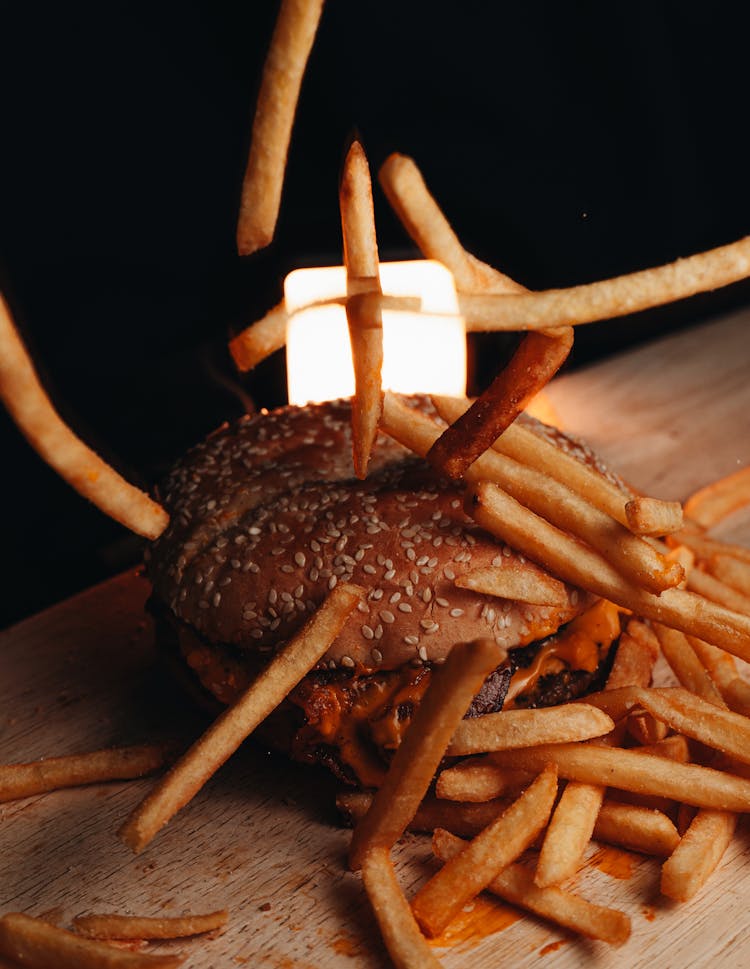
(422, 353)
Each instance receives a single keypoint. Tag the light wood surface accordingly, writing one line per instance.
(261, 839)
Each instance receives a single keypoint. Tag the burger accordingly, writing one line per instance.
(267, 517)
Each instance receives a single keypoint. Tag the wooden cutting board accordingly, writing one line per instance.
(261, 839)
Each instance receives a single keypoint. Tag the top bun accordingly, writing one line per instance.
(267, 516)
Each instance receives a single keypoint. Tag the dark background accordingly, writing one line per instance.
(566, 141)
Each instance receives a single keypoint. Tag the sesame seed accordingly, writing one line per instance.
(377, 656)
(287, 569)
(404, 607)
(423, 653)
(497, 561)
(456, 613)
(369, 569)
(347, 661)
(376, 594)
(390, 574)
(332, 583)
(299, 559)
(440, 601)
(387, 616)
(368, 632)
(411, 640)
(449, 573)
(395, 597)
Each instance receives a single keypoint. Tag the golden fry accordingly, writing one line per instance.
(54, 442)
(515, 884)
(568, 834)
(700, 850)
(290, 48)
(438, 902)
(233, 726)
(452, 688)
(139, 927)
(715, 502)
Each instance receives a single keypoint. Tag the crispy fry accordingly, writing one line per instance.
(362, 275)
(711, 504)
(139, 927)
(685, 664)
(732, 572)
(523, 445)
(74, 770)
(260, 339)
(718, 591)
(476, 780)
(623, 769)
(506, 518)
(290, 48)
(451, 689)
(528, 728)
(39, 945)
(637, 828)
(423, 219)
(673, 747)
(519, 584)
(610, 297)
(634, 661)
(464, 820)
(706, 548)
(438, 902)
(544, 496)
(569, 833)
(233, 726)
(52, 439)
(535, 362)
(687, 870)
(649, 516)
(723, 671)
(515, 884)
(404, 941)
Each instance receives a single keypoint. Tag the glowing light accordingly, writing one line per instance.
(422, 353)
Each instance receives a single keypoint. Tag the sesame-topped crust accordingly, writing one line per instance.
(267, 517)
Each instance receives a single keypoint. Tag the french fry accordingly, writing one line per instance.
(452, 688)
(723, 671)
(285, 64)
(705, 547)
(438, 902)
(685, 664)
(609, 298)
(362, 275)
(568, 834)
(636, 828)
(510, 521)
(629, 771)
(515, 884)
(233, 726)
(52, 439)
(404, 941)
(476, 780)
(649, 516)
(518, 584)
(731, 571)
(634, 660)
(673, 747)
(39, 945)
(260, 339)
(528, 728)
(718, 591)
(139, 927)
(699, 852)
(544, 496)
(715, 502)
(425, 222)
(464, 820)
(523, 445)
(74, 770)
(535, 362)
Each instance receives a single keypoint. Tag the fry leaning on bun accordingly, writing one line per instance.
(267, 517)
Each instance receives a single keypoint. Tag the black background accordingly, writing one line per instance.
(566, 141)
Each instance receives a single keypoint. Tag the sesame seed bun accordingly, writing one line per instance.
(267, 516)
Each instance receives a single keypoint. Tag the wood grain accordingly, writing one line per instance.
(261, 839)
